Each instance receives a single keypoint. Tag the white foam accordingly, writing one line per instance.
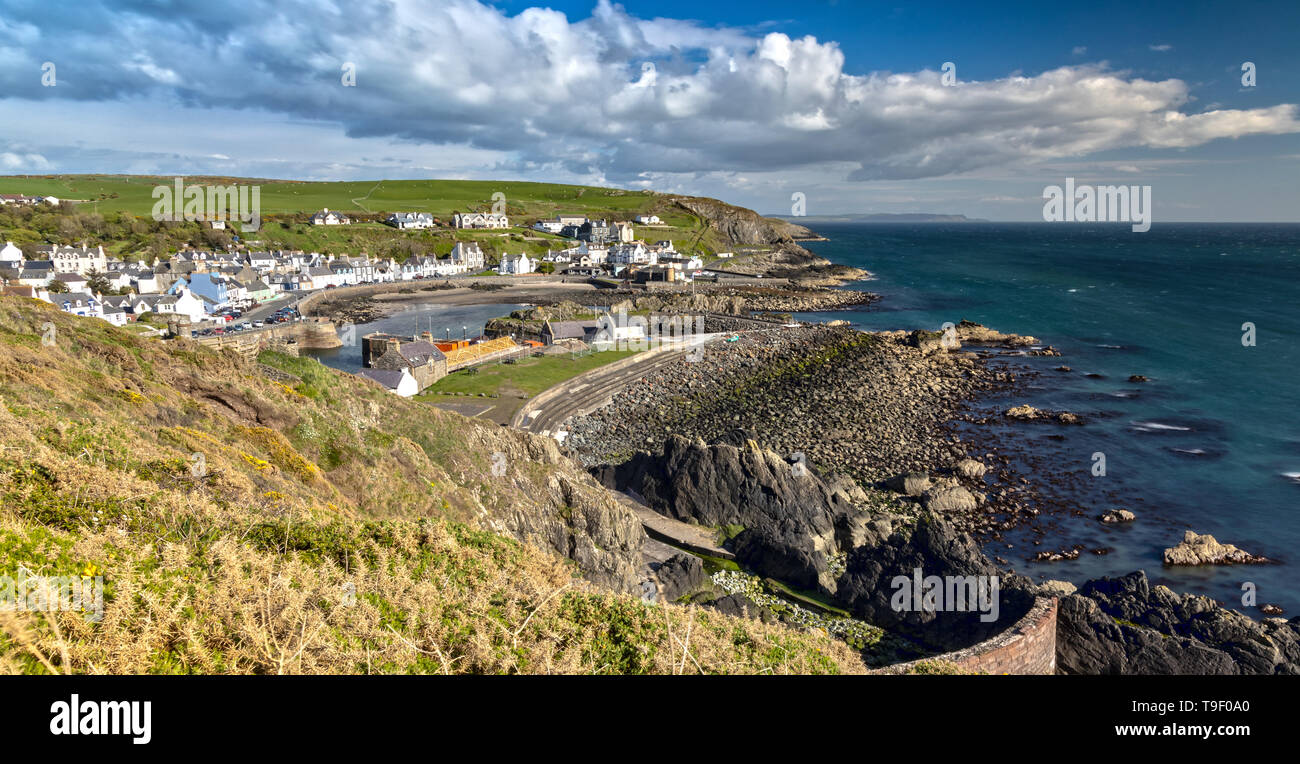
(1153, 426)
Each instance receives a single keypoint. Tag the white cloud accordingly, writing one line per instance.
(610, 98)
(1162, 48)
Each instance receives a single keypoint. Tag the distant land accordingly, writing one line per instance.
(884, 217)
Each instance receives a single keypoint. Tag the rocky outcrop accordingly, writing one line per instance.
(787, 512)
(933, 546)
(785, 258)
(1206, 550)
(1027, 413)
(565, 511)
(680, 576)
(1116, 516)
(1127, 626)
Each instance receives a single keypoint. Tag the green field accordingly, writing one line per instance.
(131, 193)
(527, 377)
(116, 211)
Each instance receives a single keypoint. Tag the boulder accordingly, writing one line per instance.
(970, 468)
(680, 575)
(909, 484)
(949, 498)
(1204, 549)
(1117, 516)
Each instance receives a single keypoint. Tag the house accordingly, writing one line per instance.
(259, 291)
(212, 286)
(548, 226)
(595, 231)
(401, 381)
(553, 331)
(573, 220)
(19, 199)
(631, 254)
(479, 220)
(343, 273)
(79, 304)
(115, 316)
(75, 282)
(35, 277)
(623, 233)
(406, 220)
(393, 353)
(325, 217)
(516, 265)
(10, 253)
(468, 256)
(648, 220)
(32, 292)
(79, 259)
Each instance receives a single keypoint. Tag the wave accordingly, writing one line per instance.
(1158, 427)
(1294, 477)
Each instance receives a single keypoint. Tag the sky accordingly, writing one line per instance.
(859, 107)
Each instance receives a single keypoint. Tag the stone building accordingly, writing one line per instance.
(391, 352)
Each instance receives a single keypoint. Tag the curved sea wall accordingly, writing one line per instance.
(1028, 647)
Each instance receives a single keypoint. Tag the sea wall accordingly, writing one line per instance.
(308, 333)
(1028, 647)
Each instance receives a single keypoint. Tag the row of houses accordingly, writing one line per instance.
(420, 220)
(206, 283)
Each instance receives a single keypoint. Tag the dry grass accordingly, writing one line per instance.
(331, 529)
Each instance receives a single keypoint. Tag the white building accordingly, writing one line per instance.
(325, 217)
(406, 220)
(10, 253)
(648, 220)
(516, 265)
(79, 259)
(480, 220)
(468, 255)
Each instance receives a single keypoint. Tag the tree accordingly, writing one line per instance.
(97, 283)
(546, 267)
(57, 287)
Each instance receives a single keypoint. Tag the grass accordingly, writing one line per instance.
(527, 377)
(244, 526)
(286, 205)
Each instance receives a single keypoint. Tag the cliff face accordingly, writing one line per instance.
(739, 226)
(785, 258)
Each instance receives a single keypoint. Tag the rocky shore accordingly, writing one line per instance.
(830, 455)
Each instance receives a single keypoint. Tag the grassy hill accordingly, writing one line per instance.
(133, 194)
(286, 205)
(282, 517)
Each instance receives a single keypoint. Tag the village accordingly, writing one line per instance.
(212, 288)
(210, 294)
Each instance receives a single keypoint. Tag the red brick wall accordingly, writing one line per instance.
(1028, 647)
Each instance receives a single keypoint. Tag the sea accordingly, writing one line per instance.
(1211, 443)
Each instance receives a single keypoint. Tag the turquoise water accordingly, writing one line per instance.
(1211, 443)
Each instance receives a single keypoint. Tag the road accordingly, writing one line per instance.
(588, 392)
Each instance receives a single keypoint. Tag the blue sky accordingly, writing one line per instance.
(841, 101)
